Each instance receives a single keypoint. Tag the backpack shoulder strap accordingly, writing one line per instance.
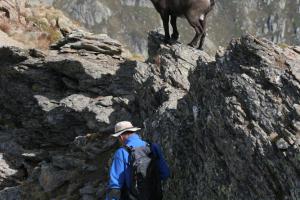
(129, 149)
(153, 152)
(148, 143)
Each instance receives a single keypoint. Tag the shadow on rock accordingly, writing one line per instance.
(234, 134)
(63, 106)
(229, 126)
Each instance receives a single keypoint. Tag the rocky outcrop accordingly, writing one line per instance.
(229, 126)
(235, 133)
(50, 103)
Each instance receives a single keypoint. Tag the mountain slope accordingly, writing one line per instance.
(130, 20)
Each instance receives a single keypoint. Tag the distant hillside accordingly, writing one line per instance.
(130, 20)
(30, 24)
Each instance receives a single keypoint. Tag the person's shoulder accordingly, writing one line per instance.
(121, 152)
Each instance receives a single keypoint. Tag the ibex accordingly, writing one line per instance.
(195, 11)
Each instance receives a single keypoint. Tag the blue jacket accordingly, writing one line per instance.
(120, 171)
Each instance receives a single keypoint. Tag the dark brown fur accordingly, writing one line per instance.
(195, 11)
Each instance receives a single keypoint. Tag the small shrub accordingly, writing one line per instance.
(283, 45)
(49, 34)
(43, 41)
(40, 24)
(137, 57)
(5, 27)
(53, 35)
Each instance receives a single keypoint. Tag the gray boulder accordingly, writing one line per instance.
(51, 178)
(12, 193)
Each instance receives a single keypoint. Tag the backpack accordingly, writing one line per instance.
(145, 176)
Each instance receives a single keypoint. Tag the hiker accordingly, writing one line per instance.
(143, 181)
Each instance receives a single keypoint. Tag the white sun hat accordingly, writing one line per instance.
(124, 126)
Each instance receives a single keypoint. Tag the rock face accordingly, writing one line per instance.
(52, 103)
(229, 126)
(235, 133)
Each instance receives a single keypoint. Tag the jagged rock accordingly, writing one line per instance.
(61, 97)
(36, 53)
(51, 178)
(282, 144)
(12, 193)
(233, 119)
(174, 64)
(13, 55)
(78, 41)
(35, 155)
(220, 127)
(67, 163)
(6, 171)
(88, 189)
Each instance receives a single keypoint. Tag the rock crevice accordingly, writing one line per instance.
(229, 125)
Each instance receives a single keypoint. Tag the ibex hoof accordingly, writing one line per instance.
(191, 45)
(175, 36)
(167, 40)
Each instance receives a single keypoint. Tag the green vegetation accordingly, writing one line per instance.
(283, 45)
(137, 57)
(53, 33)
